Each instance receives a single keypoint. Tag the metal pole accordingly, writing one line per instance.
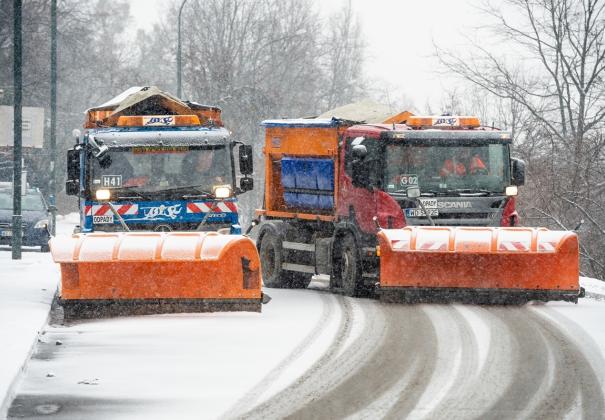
(178, 54)
(52, 190)
(17, 127)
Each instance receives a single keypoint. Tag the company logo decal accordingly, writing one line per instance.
(162, 211)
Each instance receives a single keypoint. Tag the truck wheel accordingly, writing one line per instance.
(346, 267)
(272, 257)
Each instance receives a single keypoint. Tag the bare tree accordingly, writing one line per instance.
(344, 50)
(557, 89)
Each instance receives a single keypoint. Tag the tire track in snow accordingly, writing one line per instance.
(575, 386)
(407, 348)
(330, 370)
(529, 365)
(477, 382)
(457, 360)
(248, 401)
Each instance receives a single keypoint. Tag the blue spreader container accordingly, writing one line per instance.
(310, 175)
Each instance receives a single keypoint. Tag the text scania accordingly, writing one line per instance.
(454, 205)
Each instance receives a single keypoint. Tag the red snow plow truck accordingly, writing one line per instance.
(410, 208)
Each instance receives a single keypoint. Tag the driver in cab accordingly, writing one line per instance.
(465, 163)
(201, 167)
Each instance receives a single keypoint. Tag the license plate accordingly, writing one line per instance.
(420, 212)
(6, 233)
(99, 220)
(429, 203)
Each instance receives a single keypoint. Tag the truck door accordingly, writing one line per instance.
(359, 201)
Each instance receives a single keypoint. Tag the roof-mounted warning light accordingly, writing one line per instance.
(443, 121)
(158, 120)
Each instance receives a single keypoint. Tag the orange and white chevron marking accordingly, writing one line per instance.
(219, 207)
(103, 209)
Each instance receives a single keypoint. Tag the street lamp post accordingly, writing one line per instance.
(178, 54)
(17, 127)
(53, 115)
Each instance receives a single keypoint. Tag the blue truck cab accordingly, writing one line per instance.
(157, 168)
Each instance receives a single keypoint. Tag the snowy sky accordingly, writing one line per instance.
(400, 36)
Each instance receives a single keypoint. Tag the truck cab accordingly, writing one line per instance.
(464, 172)
(161, 172)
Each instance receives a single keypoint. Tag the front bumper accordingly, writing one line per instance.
(30, 237)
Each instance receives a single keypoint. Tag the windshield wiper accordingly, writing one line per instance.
(471, 191)
(131, 190)
(429, 193)
(196, 188)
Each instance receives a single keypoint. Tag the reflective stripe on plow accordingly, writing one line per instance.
(512, 246)
(433, 246)
(547, 246)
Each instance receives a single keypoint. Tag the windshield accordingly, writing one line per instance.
(185, 169)
(29, 202)
(442, 169)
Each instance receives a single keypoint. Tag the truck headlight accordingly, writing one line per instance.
(511, 190)
(103, 194)
(221, 191)
(41, 224)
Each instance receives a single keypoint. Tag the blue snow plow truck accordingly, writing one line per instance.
(149, 161)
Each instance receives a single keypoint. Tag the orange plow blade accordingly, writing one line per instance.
(478, 264)
(152, 272)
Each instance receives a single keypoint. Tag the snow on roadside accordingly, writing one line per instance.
(594, 288)
(27, 288)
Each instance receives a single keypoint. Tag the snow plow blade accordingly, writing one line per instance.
(478, 265)
(108, 274)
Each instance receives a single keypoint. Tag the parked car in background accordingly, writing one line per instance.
(35, 213)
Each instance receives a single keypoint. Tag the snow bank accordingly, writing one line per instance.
(594, 288)
(27, 287)
(26, 292)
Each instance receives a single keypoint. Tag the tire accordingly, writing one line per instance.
(272, 257)
(346, 268)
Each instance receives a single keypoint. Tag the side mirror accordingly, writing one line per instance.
(52, 209)
(246, 184)
(246, 163)
(99, 151)
(360, 168)
(72, 187)
(413, 192)
(73, 164)
(518, 175)
(359, 151)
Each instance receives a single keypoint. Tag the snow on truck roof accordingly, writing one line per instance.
(302, 122)
(362, 112)
(365, 111)
(148, 101)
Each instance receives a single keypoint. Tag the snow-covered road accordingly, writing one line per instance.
(311, 354)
